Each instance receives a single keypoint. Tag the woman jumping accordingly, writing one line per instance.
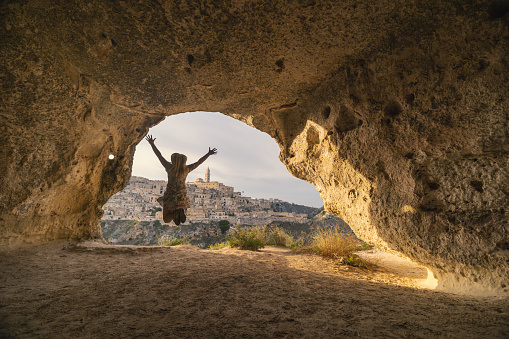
(174, 200)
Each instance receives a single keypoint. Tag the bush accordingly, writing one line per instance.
(277, 236)
(154, 210)
(354, 260)
(247, 238)
(218, 246)
(364, 247)
(301, 244)
(172, 241)
(224, 226)
(331, 243)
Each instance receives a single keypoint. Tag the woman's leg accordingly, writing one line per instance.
(176, 217)
(182, 215)
(167, 215)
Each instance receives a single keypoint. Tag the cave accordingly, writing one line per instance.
(396, 111)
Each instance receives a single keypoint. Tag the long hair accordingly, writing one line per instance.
(178, 162)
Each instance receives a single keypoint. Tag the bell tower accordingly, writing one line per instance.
(207, 175)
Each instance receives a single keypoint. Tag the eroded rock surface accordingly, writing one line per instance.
(396, 111)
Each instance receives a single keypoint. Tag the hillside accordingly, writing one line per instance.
(134, 232)
(283, 206)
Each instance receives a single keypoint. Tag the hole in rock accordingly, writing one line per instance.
(477, 185)
(393, 109)
(433, 185)
(410, 98)
(346, 120)
(355, 99)
(244, 183)
(326, 112)
(498, 8)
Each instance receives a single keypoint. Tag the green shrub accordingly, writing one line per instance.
(364, 247)
(224, 226)
(247, 238)
(277, 236)
(172, 241)
(218, 246)
(354, 260)
(300, 244)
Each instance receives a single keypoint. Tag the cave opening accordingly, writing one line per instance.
(247, 163)
(247, 158)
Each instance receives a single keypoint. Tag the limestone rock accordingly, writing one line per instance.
(396, 111)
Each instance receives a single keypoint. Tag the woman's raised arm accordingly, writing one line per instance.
(202, 159)
(151, 141)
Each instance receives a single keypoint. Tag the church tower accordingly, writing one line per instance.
(207, 175)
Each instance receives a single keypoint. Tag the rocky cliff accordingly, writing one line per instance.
(395, 110)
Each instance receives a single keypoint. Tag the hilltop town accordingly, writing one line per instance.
(210, 201)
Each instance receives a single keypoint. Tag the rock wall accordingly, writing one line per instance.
(396, 111)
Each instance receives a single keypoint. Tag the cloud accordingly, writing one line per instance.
(247, 158)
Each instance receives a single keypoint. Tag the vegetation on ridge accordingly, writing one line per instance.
(172, 241)
(332, 239)
(329, 243)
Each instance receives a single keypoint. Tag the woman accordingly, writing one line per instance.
(174, 200)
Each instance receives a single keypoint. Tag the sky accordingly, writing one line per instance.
(246, 158)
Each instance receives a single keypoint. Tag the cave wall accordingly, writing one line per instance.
(396, 111)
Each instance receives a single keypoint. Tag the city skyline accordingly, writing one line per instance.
(247, 159)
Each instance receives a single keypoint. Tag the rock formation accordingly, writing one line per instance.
(395, 110)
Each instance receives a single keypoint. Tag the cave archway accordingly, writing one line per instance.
(406, 100)
(248, 158)
(248, 162)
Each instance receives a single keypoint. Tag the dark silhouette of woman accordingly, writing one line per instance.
(174, 200)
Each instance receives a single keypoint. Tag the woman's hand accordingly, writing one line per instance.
(150, 139)
(202, 159)
(212, 151)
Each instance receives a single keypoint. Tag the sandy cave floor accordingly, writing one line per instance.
(91, 290)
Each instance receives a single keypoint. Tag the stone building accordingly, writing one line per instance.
(210, 200)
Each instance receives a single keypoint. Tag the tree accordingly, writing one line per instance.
(154, 210)
(224, 226)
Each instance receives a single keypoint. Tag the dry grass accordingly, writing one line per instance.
(218, 246)
(331, 243)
